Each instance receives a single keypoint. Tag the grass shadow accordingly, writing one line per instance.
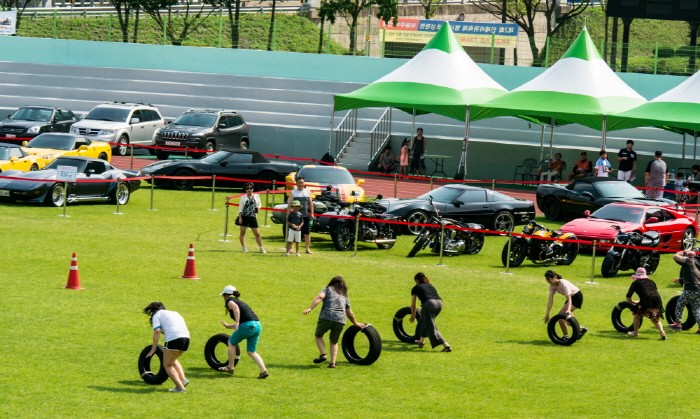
(129, 386)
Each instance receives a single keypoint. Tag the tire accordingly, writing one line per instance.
(553, 332)
(609, 267)
(570, 251)
(503, 221)
(151, 151)
(162, 155)
(103, 156)
(688, 240)
(56, 195)
(617, 315)
(343, 236)
(348, 345)
(474, 244)
(652, 263)
(689, 321)
(121, 194)
(122, 147)
(245, 144)
(210, 349)
(551, 209)
(209, 147)
(34, 168)
(266, 179)
(390, 233)
(416, 216)
(399, 329)
(420, 243)
(182, 184)
(518, 252)
(144, 366)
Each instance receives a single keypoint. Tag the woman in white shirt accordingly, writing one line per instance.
(177, 341)
(247, 216)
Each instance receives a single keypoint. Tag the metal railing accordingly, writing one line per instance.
(345, 133)
(380, 135)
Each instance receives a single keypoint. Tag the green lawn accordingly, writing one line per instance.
(73, 353)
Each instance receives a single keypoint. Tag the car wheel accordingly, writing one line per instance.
(503, 221)
(551, 209)
(34, 168)
(689, 321)
(103, 156)
(617, 313)
(183, 184)
(416, 217)
(57, 195)
(400, 330)
(162, 155)
(553, 330)
(122, 147)
(244, 144)
(688, 241)
(151, 151)
(121, 194)
(518, 251)
(343, 236)
(265, 179)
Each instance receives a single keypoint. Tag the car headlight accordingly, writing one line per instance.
(74, 130)
(34, 130)
(106, 132)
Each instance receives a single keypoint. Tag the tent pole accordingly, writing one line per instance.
(462, 168)
(605, 139)
(330, 135)
(551, 138)
(413, 125)
(683, 153)
(695, 144)
(542, 142)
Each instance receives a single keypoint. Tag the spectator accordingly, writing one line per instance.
(418, 150)
(582, 168)
(691, 287)
(247, 216)
(555, 168)
(177, 341)
(656, 176)
(295, 223)
(649, 304)
(695, 169)
(403, 158)
(628, 162)
(602, 166)
(301, 194)
(574, 299)
(386, 161)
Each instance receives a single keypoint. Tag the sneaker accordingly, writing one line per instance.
(564, 338)
(582, 332)
(632, 334)
(298, 254)
(331, 365)
(675, 327)
(263, 375)
(286, 254)
(308, 251)
(186, 382)
(663, 337)
(177, 390)
(262, 250)
(245, 249)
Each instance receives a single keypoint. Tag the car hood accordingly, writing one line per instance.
(644, 201)
(396, 204)
(35, 175)
(184, 128)
(596, 227)
(93, 123)
(158, 166)
(21, 123)
(47, 153)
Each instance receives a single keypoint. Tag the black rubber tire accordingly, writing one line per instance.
(162, 155)
(120, 194)
(689, 321)
(570, 251)
(609, 267)
(652, 263)
(518, 252)
(245, 144)
(390, 234)
(122, 148)
(399, 330)
(55, 196)
(266, 179)
(474, 244)
(348, 345)
(420, 243)
(688, 240)
(183, 184)
(554, 333)
(503, 221)
(551, 209)
(616, 317)
(103, 156)
(34, 168)
(145, 367)
(343, 236)
(210, 351)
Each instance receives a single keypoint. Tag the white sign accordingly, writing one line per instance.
(67, 173)
(8, 22)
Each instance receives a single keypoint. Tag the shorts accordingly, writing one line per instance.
(624, 175)
(293, 236)
(325, 325)
(251, 222)
(250, 331)
(179, 344)
(305, 229)
(576, 300)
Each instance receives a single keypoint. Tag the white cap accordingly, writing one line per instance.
(228, 289)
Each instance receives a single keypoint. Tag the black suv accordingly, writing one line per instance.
(205, 129)
(30, 121)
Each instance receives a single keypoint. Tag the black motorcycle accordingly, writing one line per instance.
(378, 232)
(538, 251)
(624, 258)
(455, 241)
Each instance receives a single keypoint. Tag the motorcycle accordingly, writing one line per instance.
(455, 242)
(382, 234)
(327, 202)
(556, 251)
(625, 258)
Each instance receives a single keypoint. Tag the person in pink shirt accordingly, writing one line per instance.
(574, 298)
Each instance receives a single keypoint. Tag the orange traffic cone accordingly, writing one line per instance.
(73, 277)
(190, 271)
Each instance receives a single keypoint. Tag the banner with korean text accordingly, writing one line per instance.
(469, 34)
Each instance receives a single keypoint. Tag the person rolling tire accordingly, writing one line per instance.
(618, 313)
(210, 351)
(399, 329)
(689, 321)
(144, 366)
(554, 331)
(348, 345)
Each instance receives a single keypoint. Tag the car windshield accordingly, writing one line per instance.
(57, 142)
(108, 114)
(217, 157)
(31, 114)
(196, 119)
(444, 194)
(618, 190)
(326, 176)
(620, 213)
(79, 164)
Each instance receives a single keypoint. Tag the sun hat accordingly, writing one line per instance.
(640, 274)
(296, 203)
(228, 289)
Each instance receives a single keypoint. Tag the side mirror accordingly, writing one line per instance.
(359, 182)
(587, 195)
(134, 121)
(13, 159)
(220, 126)
(83, 148)
(652, 220)
(223, 164)
(457, 203)
(25, 143)
(587, 213)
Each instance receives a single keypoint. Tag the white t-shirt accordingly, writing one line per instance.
(244, 200)
(564, 288)
(171, 323)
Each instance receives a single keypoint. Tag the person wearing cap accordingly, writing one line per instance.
(295, 223)
(246, 325)
(690, 279)
(247, 216)
(574, 299)
(177, 341)
(334, 311)
(301, 194)
(649, 304)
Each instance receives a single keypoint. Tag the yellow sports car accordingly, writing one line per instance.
(52, 145)
(317, 178)
(12, 157)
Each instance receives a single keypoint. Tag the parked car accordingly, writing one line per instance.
(96, 180)
(317, 178)
(53, 145)
(558, 201)
(463, 203)
(244, 165)
(202, 130)
(12, 157)
(121, 124)
(677, 231)
(30, 121)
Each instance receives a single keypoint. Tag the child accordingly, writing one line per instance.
(602, 166)
(649, 304)
(403, 158)
(574, 298)
(294, 223)
(682, 195)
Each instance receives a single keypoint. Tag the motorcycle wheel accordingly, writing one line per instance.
(610, 266)
(420, 243)
(390, 233)
(474, 244)
(343, 237)
(569, 252)
(652, 263)
(518, 251)
(689, 321)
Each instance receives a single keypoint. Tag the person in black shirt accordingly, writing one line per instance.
(628, 162)
(649, 304)
(431, 306)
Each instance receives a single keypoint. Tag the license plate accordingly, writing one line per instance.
(173, 143)
(4, 192)
(10, 136)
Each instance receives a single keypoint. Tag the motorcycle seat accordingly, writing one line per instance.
(651, 238)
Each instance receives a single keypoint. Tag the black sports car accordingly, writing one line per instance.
(30, 121)
(464, 203)
(96, 180)
(559, 202)
(241, 164)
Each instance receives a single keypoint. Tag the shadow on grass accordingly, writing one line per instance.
(130, 386)
(540, 342)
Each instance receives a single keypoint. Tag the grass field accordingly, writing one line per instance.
(73, 353)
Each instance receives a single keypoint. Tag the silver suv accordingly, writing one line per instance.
(121, 124)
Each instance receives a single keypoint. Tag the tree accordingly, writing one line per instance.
(430, 7)
(388, 9)
(233, 7)
(327, 12)
(272, 25)
(124, 8)
(190, 20)
(19, 5)
(524, 12)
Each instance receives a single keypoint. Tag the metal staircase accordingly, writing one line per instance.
(359, 150)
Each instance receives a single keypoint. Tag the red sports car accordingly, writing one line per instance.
(677, 230)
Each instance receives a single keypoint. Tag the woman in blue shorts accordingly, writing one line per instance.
(246, 325)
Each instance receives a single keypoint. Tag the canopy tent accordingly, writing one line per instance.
(579, 88)
(441, 79)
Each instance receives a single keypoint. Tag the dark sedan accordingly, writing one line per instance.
(95, 180)
(566, 202)
(492, 209)
(241, 164)
(30, 121)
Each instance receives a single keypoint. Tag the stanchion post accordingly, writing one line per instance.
(225, 239)
(131, 159)
(493, 184)
(593, 263)
(117, 212)
(65, 199)
(442, 241)
(357, 230)
(267, 204)
(431, 183)
(396, 183)
(213, 192)
(153, 182)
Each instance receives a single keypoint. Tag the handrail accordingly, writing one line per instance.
(345, 133)
(380, 135)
